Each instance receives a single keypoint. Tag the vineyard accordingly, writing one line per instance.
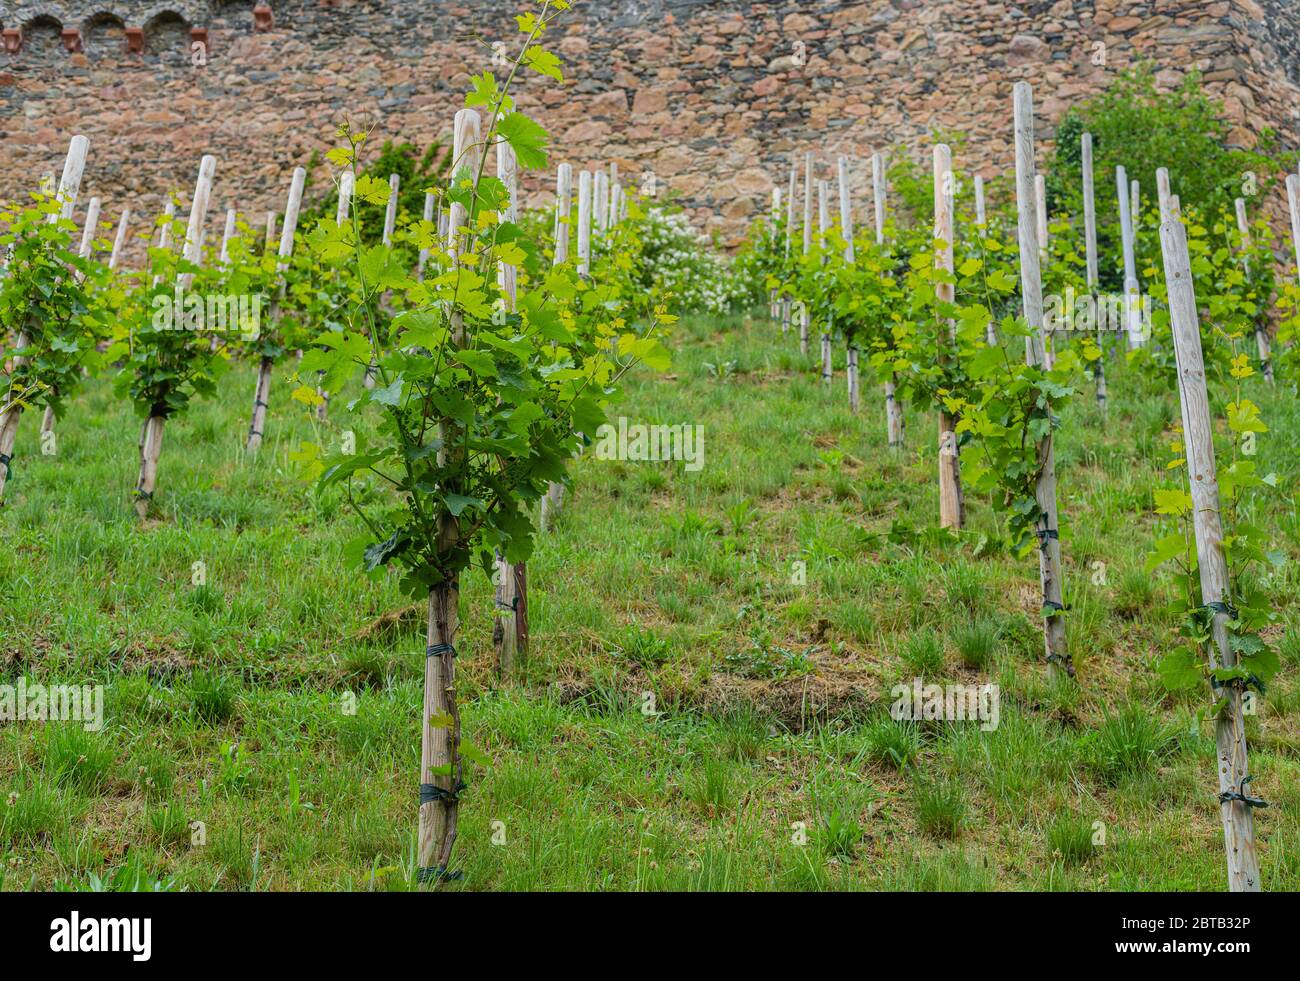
(418, 537)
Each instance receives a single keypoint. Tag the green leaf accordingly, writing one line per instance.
(1180, 669)
(542, 61)
(526, 137)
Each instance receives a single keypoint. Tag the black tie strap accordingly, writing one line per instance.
(437, 873)
(437, 650)
(432, 792)
(5, 460)
(1241, 795)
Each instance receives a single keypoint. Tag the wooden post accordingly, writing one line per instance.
(773, 309)
(584, 223)
(600, 201)
(1031, 291)
(615, 191)
(1090, 261)
(151, 448)
(1175, 208)
(1132, 314)
(807, 243)
(980, 218)
(1293, 207)
(74, 166)
(88, 232)
(223, 257)
(510, 622)
(951, 510)
(1261, 330)
(1229, 729)
(119, 240)
(440, 760)
(390, 213)
(563, 186)
(789, 203)
(787, 300)
(270, 232)
(893, 410)
(1162, 189)
(342, 215)
(823, 231)
(807, 201)
(227, 233)
(262, 393)
(563, 206)
(878, 194)
(430, 199)
(846, 209)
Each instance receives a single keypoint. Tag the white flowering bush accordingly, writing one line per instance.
(678, 260)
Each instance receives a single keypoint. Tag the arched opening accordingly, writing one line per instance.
(232, 15)
(167, 39)
(103, 34)
(41, 37)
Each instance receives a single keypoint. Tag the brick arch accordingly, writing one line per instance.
(102, 32)
(41, 36)
(167, 36)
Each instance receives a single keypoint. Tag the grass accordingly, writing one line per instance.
(261, 726)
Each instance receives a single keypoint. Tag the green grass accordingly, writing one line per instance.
(262, 728)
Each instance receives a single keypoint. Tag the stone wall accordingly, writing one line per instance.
(711, 97)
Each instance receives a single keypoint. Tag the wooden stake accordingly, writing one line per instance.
(563, 206)
(88, 232)
(510, 621)
(1261, 331)
(1090, 260)
(74, 166)
(893, 409)
(789, 204)
(1031, 290)
(262, 393)
(151, 448)
(390, 213)
(119, 241)
(772, 304)
(270, 232)
(807, 203)
(342, 216)
(440, 760)
(563, 186)
(951, 510)
(1132, 312)
(1162, 189)
(823, 230)
(846, 209)
(584, 223)
(227, 233)
(878, 195)
(1229, 729)
(600, 201)
(1293, 207)
(979, 200)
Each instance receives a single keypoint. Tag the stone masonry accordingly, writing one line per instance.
(711, 97)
